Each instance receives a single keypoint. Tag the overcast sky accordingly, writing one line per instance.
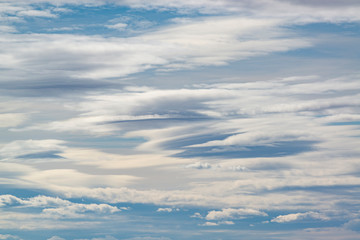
(165, 119)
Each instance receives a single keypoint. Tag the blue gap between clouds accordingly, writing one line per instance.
(277, 149)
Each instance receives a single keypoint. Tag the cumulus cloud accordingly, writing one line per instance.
(299, 216)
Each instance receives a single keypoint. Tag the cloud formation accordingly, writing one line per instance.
(299, 216)
(204, 42)
(230, 213)
(242, 112)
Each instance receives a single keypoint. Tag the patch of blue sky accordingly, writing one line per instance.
(330, 40)
(87, 20)
(23, 192)
(344, 28)
(277, 149)
(197, 139)
(106, 142)
(344, 123)
(46, 154)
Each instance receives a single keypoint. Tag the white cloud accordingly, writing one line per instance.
(56, 238)
(77, 210)
(205, 42)
(72, 177)
(24, 147)
(57, 208)
(197, 215)
(164, 210)
(9, 236)
(149, 238)
(300, 216)
(231, 213)
(7, 29)
(117, 26)
(36, 13)
(199, 165)
(11, 119)
(294, 11)
(226, 223)
(209, 224)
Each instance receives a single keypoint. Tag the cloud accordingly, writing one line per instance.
(226, 223)
(205, 42)
(197, 215)
(209, 224)
(353, 225)
(36, 13)
(56, 238)
(231, 213)
(164, 210)
(30, 148)
(9, 236)
(300, 11)
(299, 216)
(199, 165)
(77, 210)
(72, 177)
(117, 26)
(149, 238)
(11, 119)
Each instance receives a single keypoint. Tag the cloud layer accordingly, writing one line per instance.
(208, 119)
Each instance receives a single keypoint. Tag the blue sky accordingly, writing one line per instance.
(164, 119)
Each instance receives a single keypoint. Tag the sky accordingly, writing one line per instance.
(165, 119)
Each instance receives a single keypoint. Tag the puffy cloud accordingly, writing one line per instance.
(299, 216)
(231, 213)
